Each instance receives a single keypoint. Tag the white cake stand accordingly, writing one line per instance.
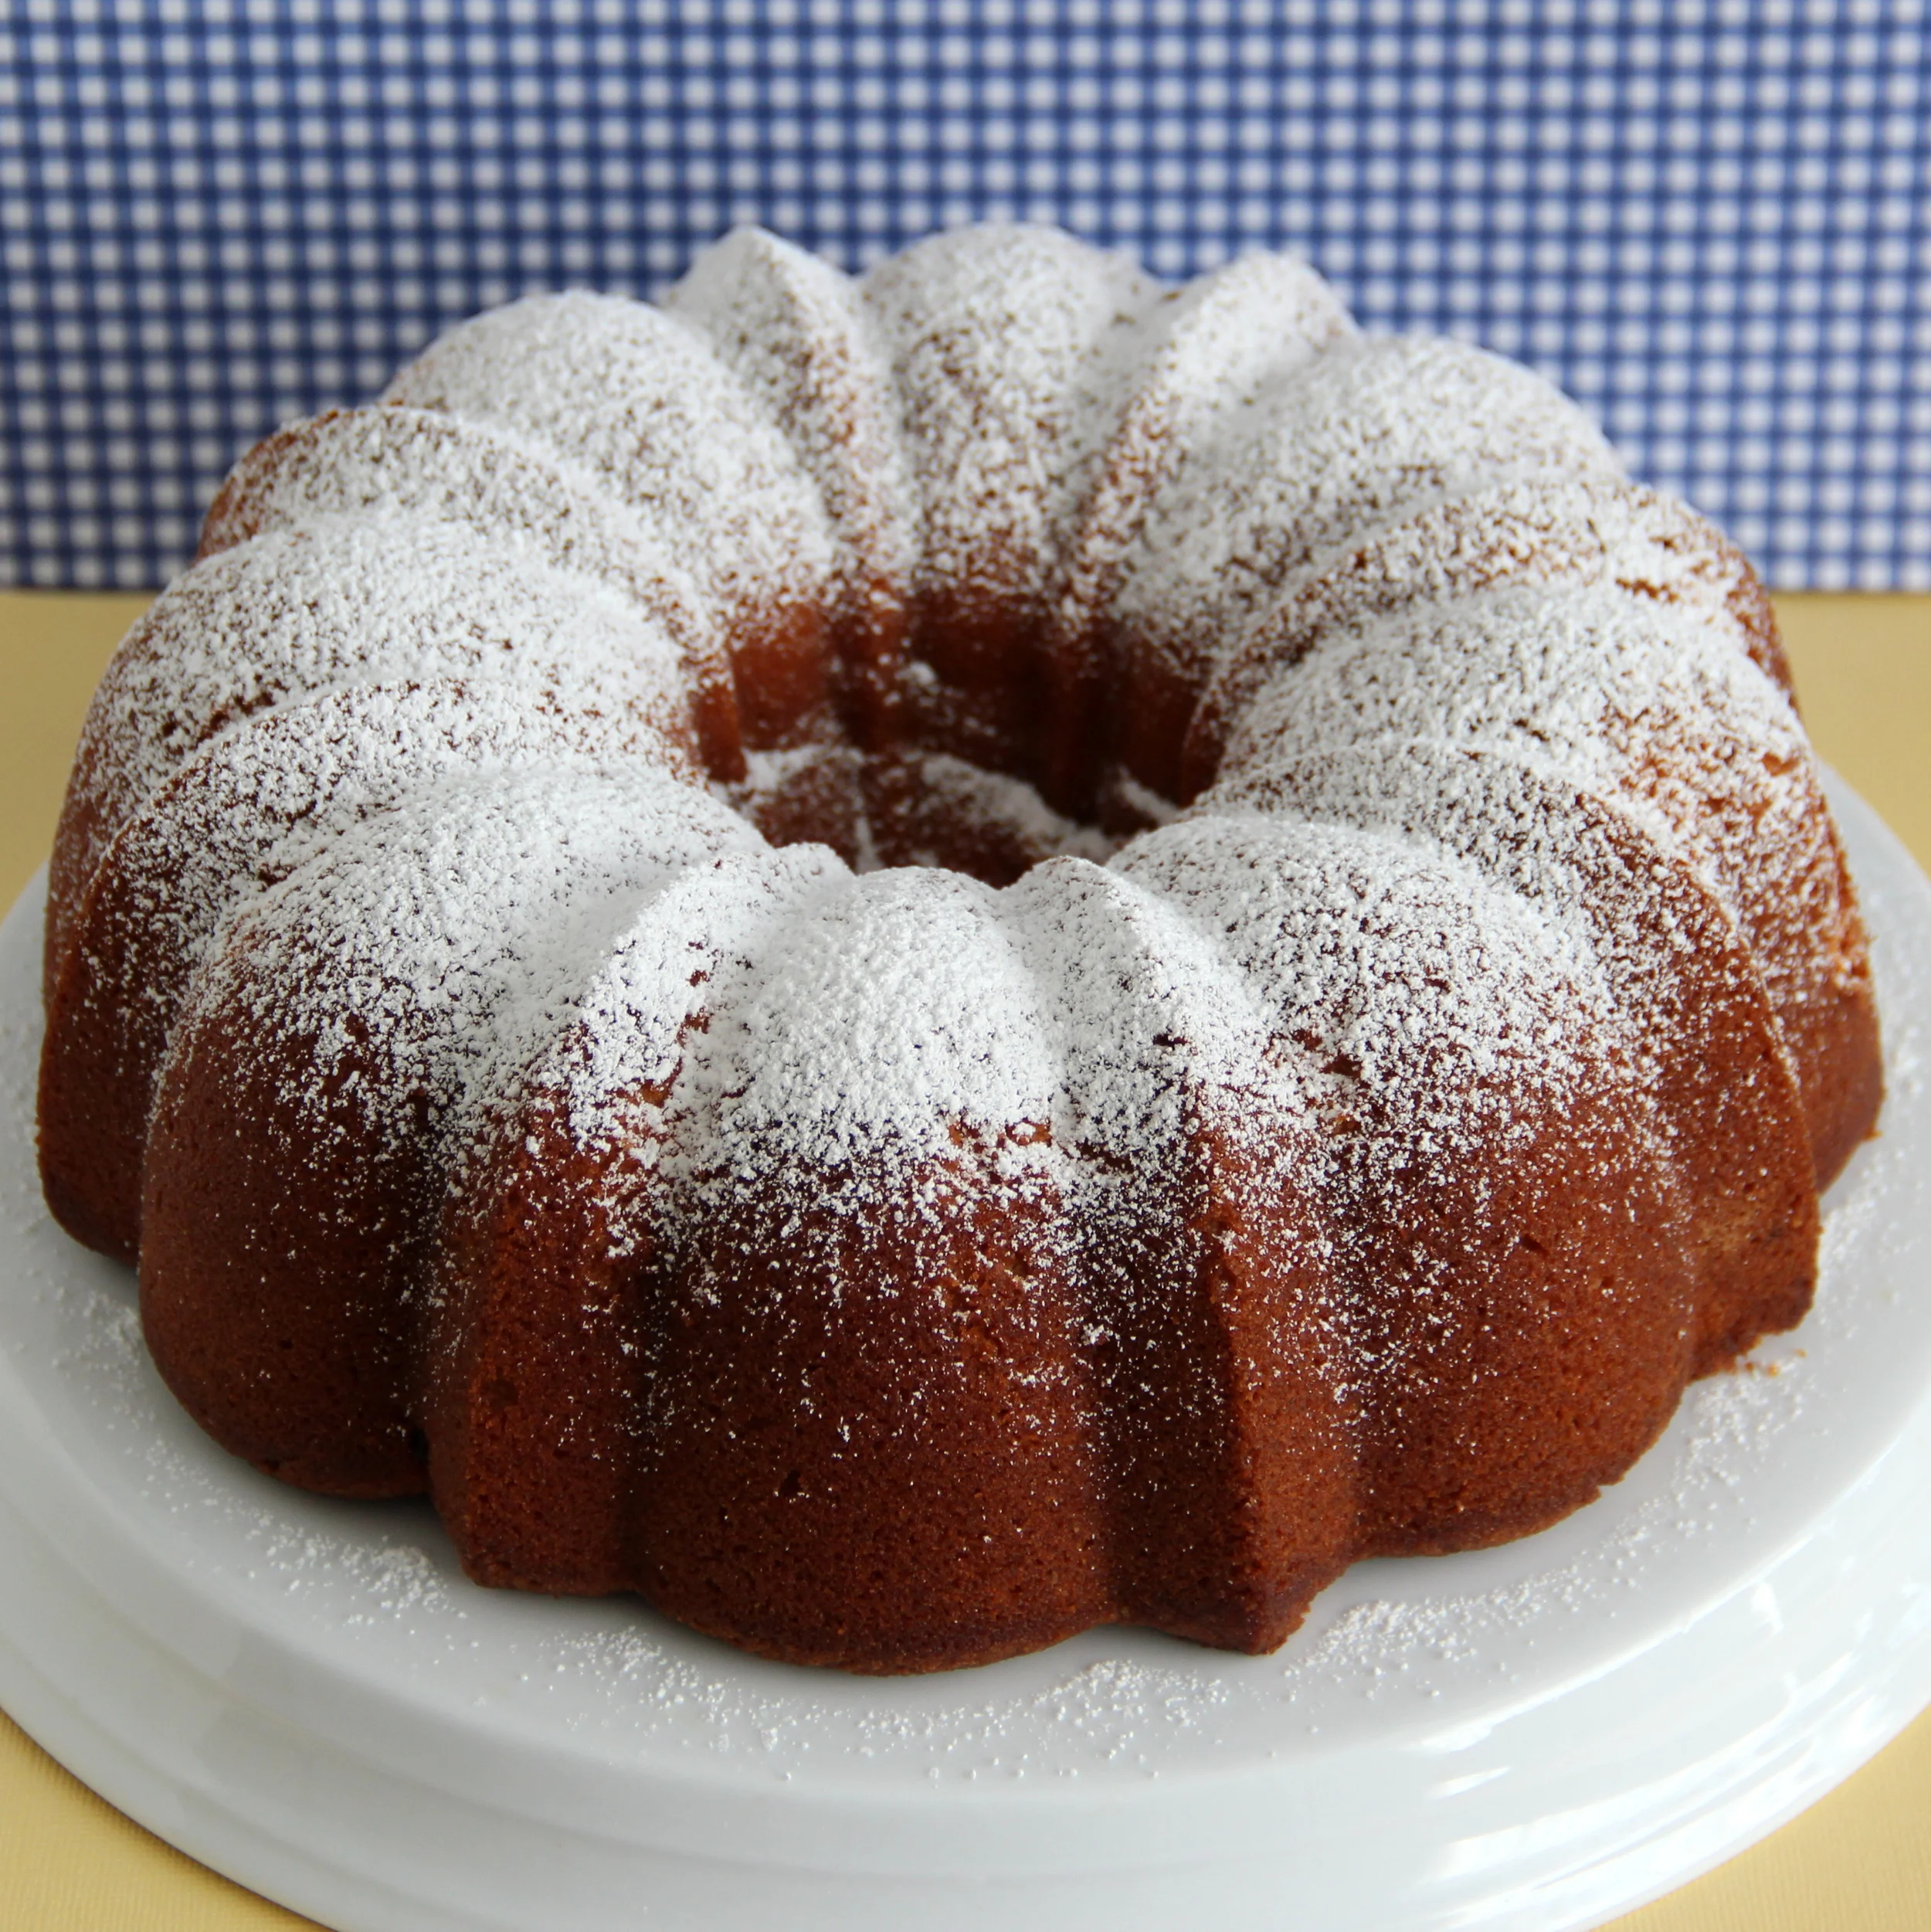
(308, 1696)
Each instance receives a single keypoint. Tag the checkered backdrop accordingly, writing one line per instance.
(1708, 219)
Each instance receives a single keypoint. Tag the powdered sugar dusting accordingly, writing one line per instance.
(1218, 345)
(1372, 955)
(1608, 905)
(895, 1015)
(1005, 342)
(617, 1054)
(1644, 704)
(1143, 1012)
(378, 464)
(639, 398)
(335, 603)
(426, 996)
(1545, 531)
(275, 791)
(1344, 441)
(795, 332)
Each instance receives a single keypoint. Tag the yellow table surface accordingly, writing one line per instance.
(1860, 1861)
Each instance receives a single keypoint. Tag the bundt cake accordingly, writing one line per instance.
(913, 962)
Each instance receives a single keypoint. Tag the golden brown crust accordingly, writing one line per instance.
(530, 1366)
(889, 1480)
(275, 1262)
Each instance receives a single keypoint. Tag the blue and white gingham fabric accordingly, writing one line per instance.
(1711, 222)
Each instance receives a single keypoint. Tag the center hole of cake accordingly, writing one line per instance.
(912, 807)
